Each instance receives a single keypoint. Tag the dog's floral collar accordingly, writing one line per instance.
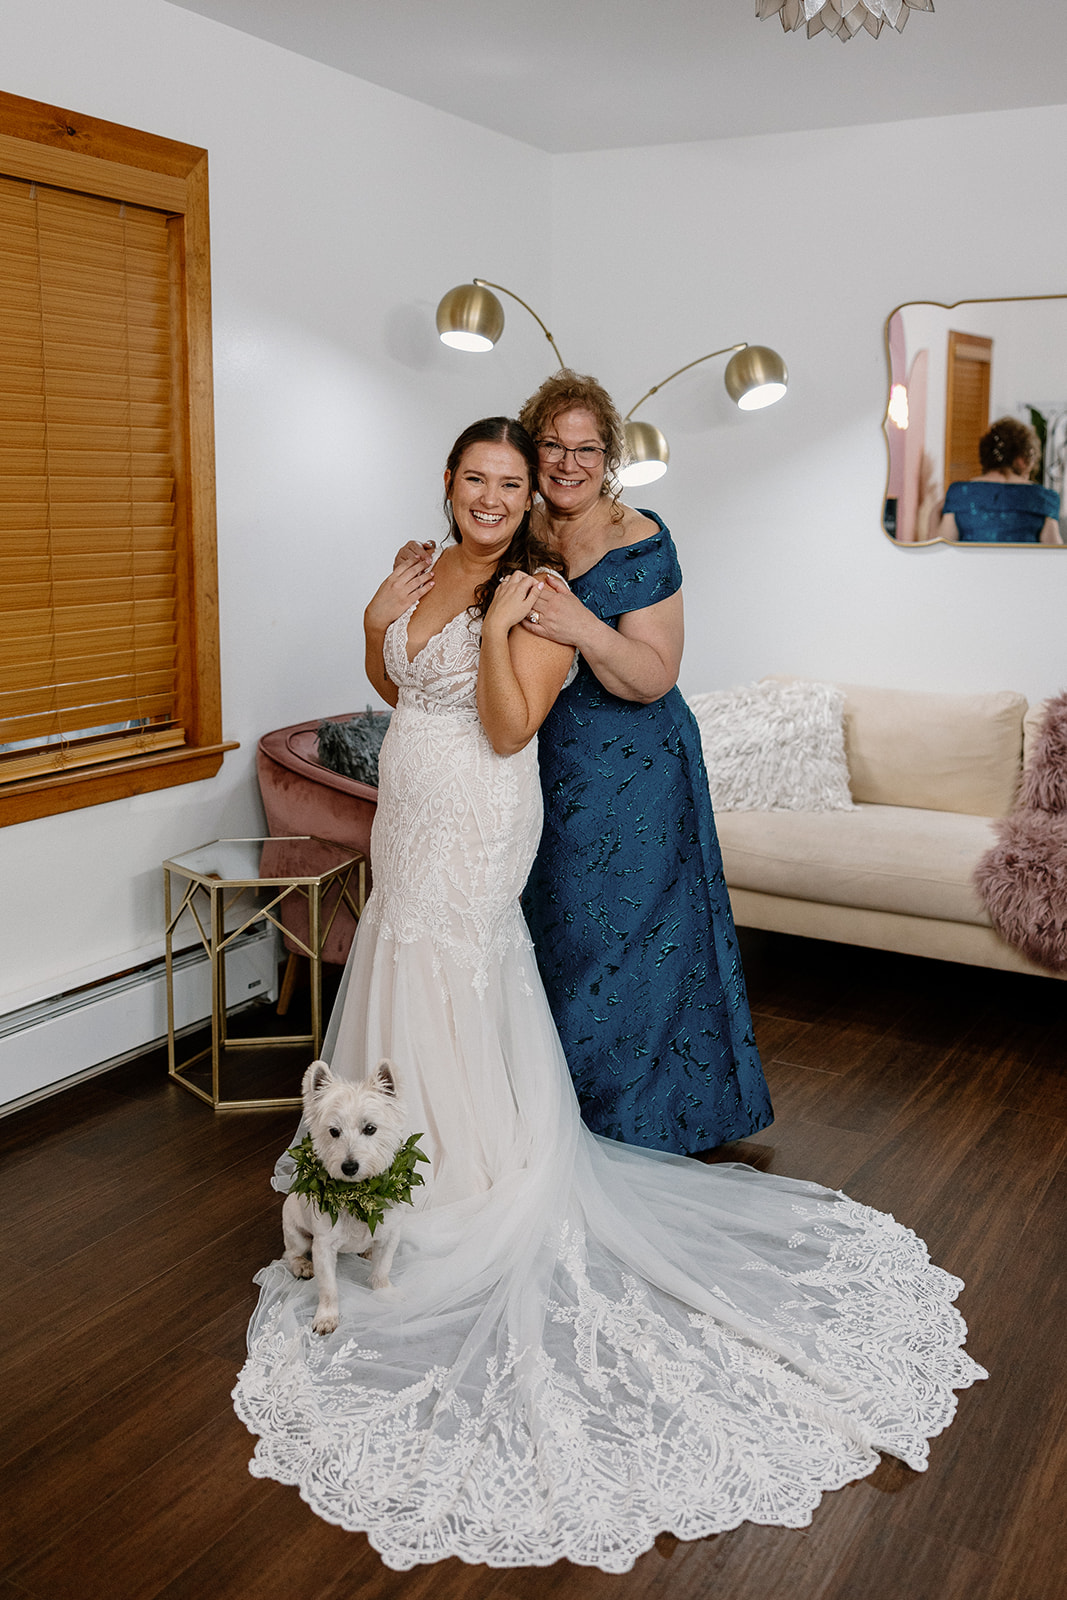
(370, 1198)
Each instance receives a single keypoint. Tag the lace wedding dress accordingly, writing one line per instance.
(586, 1344)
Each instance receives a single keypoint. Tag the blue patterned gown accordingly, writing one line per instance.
(627, 901)
(987, 512)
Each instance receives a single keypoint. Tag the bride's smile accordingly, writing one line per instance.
(489, 494)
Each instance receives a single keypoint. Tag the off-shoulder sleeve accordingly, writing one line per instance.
(633, 577)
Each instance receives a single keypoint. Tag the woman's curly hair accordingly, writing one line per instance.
(566, 390)
(1007, 441)
(526, 552)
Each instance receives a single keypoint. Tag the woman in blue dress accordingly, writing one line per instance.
(627, 901)
(1003, 506)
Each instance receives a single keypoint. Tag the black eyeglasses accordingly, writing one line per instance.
(586, 455)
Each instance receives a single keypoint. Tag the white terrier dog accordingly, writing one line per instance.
(355, 1132)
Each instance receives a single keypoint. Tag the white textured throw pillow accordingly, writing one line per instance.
(775, 747)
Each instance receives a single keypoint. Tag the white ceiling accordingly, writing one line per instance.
(567, 75)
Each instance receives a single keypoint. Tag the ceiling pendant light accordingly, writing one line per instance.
(841, 18)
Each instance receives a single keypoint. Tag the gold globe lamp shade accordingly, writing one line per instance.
(647, 454)
(470, 317)
(756, 377)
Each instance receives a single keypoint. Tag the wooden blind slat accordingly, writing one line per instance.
(76, 720)
(30, 544)
(84, 567)
(91, 492)
(155, 651)
(58, 595)
(81, 654)
(122, 692)
(62, 757)
(37, 434)
(27, 280)
(80, 464)
(22, 701)
(63, 412)
(81, 619)
(26, 675)
(98, 388)
(107, 322)
(50, 460)
(79, 348)
(71, 519)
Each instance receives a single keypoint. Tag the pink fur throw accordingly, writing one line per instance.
(1023, 878)
(1044, 786)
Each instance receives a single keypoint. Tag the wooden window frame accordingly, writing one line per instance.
(50, 145)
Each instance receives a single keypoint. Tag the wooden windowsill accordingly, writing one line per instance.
(93, 786)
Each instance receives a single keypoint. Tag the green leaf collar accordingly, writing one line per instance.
(370, 1198)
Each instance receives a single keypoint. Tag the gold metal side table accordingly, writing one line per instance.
(256, 876)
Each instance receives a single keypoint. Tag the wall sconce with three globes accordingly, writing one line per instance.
(470, 317)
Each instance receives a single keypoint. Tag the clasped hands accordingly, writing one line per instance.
(552, 611)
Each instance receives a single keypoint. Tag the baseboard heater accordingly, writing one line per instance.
(55, 1043)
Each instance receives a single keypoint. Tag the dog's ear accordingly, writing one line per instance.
(386, 1077)
(317, 1077)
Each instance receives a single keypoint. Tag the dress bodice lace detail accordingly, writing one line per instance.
(443, 677)
(457, 825)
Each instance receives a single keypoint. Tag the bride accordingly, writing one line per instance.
(587, 1344)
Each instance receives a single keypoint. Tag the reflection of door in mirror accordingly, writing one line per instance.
(970, 358)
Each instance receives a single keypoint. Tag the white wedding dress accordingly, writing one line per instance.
(586, 1344)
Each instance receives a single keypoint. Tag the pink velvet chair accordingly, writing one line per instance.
(301, 796)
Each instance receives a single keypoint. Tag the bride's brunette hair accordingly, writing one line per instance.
(526, 552)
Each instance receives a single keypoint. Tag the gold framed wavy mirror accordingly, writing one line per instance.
(953, 371)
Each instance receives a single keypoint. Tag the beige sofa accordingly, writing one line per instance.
(928, 772)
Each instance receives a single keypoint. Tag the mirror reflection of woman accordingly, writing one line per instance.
(1003, 505)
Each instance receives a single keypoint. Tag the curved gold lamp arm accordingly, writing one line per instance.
(483, 283)
(656, 387)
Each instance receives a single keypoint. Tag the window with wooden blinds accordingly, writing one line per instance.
(108, 638)
(87, 488)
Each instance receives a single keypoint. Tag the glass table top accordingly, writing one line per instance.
(301, 859)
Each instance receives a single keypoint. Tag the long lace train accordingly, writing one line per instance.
(586, 1344)
(575, 1404)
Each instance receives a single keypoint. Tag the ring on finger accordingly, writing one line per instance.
(535, 616)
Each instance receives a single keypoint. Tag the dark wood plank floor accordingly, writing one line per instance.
(134, 1219)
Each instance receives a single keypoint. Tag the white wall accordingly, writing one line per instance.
(807, 242)
(340, 213)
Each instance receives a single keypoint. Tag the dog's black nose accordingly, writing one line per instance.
(349, 1168)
